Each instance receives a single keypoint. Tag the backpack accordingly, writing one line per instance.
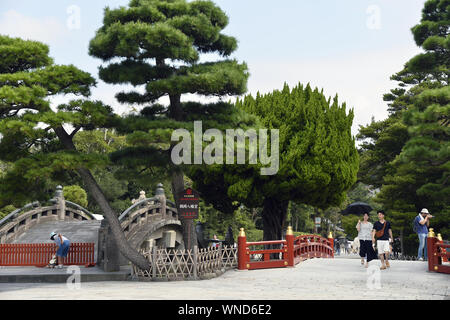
(415, 226)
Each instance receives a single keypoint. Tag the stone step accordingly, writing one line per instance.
(46, 275)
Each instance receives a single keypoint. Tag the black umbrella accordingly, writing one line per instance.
(357, 208)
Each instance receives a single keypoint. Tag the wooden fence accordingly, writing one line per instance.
(170, 264)
(39, 254)
(282, 253)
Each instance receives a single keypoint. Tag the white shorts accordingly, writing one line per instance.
(383, 246)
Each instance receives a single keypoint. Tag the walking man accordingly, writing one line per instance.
(422, 222)
(383, 232)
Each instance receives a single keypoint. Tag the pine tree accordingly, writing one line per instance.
(156, 45)
(35, 137)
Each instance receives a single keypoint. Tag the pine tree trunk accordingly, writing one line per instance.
(175, 111)
(189, 234)
(94, 189)
(274, 216)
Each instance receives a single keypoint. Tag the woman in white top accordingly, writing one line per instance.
(366, 251)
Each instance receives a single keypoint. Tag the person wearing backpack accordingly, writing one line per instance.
(383, 232)
(421, 224)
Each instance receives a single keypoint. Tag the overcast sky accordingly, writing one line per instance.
(348, 47)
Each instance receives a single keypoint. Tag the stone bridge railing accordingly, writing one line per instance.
(147, 210)
(145, 216)
(21, 220)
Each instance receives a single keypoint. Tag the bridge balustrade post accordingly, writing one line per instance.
(160, 194)
(60, 203)
(331, 239)
(439, 240)
(242, 250)
(432, 256)
(290, 246)
(108, 253)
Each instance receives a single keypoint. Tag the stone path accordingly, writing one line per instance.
(316, 279)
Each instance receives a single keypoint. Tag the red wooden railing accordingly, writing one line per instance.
(39, 254)
(437, 253)
(290, 251)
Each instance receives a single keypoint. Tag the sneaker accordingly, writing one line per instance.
(420, 259)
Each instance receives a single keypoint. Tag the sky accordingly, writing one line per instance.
(345, 47)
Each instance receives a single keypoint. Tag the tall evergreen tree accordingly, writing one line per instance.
(318, 159)
(155, 45)
(413, 166)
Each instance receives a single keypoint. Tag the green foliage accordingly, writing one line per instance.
(217, 223)
(29, 126)
(318, 158)
(76, 194)
(300, 217)
(349, 225)
(167, 31)
(6, 210)
(34, 142)
(156, 45)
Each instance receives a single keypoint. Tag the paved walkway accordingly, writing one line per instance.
(316, 279)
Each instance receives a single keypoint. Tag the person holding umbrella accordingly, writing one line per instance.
(366, 251)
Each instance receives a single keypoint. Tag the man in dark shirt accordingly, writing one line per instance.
(384, 240)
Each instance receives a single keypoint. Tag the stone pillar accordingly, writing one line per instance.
(160, 194)
(108, 253)
(169, 238)
(60, 203)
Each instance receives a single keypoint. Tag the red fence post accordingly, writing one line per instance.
(439, 240)
(331, 239)
(432, 258)
(242, 250)
(290, 246)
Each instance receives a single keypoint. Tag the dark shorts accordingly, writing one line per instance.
(63, 249)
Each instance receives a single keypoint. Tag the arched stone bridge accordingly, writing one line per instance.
(148, 222)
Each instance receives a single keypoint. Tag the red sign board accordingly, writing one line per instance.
(188, 204)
